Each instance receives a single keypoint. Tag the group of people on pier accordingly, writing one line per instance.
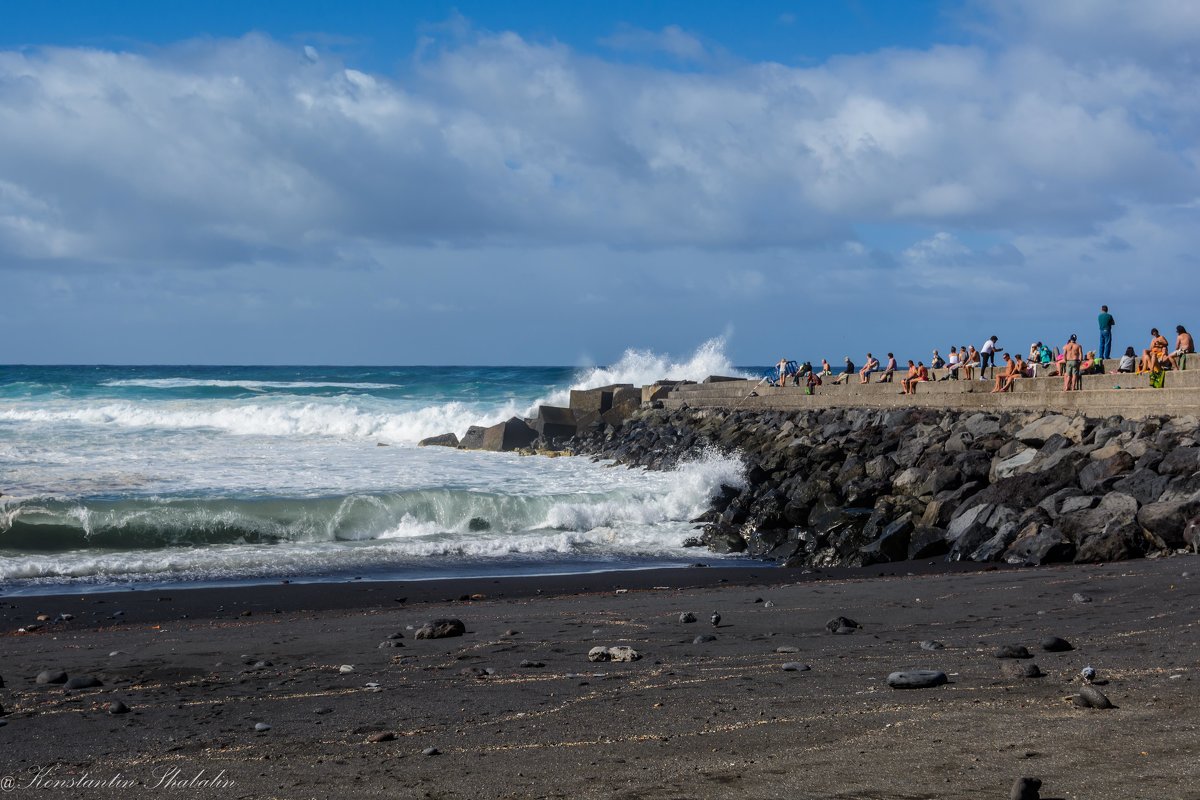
(1070, 362)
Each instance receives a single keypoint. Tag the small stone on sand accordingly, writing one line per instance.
(916, 679)
(795, 666)
(262, 727)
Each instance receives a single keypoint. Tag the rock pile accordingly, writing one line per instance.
(863, 486)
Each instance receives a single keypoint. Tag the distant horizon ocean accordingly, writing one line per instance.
(148, 476)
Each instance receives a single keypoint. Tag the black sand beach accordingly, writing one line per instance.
(515, 709)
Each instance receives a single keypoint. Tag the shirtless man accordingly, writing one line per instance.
(909, 381)
(1072, 355)
(1005, 378)
(1183, 346)
(869, 367)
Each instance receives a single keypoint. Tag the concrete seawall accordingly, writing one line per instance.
(1098, 397)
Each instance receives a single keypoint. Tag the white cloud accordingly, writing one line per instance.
(251, 152)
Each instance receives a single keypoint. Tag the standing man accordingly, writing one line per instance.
(987, 356)
(1106, 326)
(1072, 355)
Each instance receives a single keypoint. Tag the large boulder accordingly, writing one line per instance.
(1037, 432)
(1143, 485)
(1039, 545)
(1100, 475)
(892, 545)
(444, 440)
(1164, 523)
(1180, 461)
(512, 434)
(473, 438)
(1120, 539)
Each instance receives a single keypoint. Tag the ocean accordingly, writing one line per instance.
(117, 477)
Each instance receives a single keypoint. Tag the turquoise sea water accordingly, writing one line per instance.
(150, 476)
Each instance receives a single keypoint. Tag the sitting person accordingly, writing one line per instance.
(803, 372)
(864, 374)
(937, 362)
(968, 357)
(847, 371)
(952, 365)
(826, 370)
(1146, 363)
(907, 383)
(888, 371)
(1183, 346)
(1159, 349)
(1008, 376)
(1092, 365)
(811, 382)
(1128, 361)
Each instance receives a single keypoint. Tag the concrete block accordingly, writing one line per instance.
(511, 434)
(553, 422)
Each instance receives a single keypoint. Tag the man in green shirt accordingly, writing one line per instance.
(1106, 325)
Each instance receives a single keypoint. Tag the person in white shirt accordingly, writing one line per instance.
(952, 363)
(987, 356)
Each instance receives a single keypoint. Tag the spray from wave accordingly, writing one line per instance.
(359, 417)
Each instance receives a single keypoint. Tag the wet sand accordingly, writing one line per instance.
(687, 720)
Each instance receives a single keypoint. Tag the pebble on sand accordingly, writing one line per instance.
(431, 751)
(83, 682)
(1025, 789)
(1012, 651)
(1079, 597)
(704, 638)
(841, 625)
(929, 644)
(117, 707)
(787, 649)
(345, 669)
(441, 629)
(618, 653)
(50, 676)
(384, 736)
(262, 727)
(1091, 697)
(795, 666)
(1055, 644)
(916, 679)
(687, 616)
(1016, 669)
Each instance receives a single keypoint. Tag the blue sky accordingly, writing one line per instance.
(551, 183)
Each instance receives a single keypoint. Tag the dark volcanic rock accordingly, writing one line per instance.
(51, 676)
(1012, 651)
(473, 438)
(440, 629)
(1091, 697)
(839, 624)
(1099, 476)
(1055, 644)
(1025, 789)
(916, 679)
(928, 543)
(444, 440)
(83, 682)
(1016, 669)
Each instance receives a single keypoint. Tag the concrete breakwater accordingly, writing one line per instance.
(858, 486)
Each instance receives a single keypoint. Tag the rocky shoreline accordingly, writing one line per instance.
(854, 487)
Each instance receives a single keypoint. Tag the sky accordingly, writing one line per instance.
(552, 183)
